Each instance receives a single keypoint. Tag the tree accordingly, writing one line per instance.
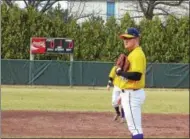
(151, 8)
(42, 5)
(76, 9)
(152, 39)
(58, 11)
(92, 39)
(177, 40)
(112, 47)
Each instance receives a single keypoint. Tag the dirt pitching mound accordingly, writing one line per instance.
(88, 124)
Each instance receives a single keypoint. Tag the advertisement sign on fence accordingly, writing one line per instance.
(38, 45)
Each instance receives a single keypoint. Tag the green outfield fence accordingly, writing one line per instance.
(83, 73)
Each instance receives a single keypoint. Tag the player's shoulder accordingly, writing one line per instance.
(139, 52)
(114, 67)
(135, 52)
(113, 70)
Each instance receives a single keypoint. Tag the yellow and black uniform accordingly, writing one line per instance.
(137, 67)
(115, 80)
(114, 77)
(133, 94)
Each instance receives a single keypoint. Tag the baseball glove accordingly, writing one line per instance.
(122, 62)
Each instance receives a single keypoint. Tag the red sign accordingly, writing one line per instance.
(71, 45)
(38, 45)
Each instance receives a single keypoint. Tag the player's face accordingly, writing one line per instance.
(129, 43)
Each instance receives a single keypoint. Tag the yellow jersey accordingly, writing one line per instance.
(116, 79)
(137, 62)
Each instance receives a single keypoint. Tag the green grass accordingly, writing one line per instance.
(87, 99)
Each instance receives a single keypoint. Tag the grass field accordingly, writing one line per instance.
(87, 99)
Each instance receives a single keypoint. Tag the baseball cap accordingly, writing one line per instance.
(130, 33)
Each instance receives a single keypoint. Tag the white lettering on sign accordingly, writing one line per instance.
(68, 49)
(37, 44)
(50, 49)
(59, 49)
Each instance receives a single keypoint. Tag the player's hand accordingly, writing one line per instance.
(119, 101)
(118, 71)
(108, 87)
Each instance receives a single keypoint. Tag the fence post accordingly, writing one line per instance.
(71, 70)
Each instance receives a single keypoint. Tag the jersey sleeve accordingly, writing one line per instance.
(112, 73)
(137, 64)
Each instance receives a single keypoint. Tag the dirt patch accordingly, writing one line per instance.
(88, 124)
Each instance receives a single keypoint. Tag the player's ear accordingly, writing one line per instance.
(138, 39)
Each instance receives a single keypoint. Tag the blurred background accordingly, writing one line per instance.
(94, 26)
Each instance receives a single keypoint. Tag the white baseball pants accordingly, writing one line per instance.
(132, 101)
(115, 96)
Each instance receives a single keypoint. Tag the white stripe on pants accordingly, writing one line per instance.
(132, 102)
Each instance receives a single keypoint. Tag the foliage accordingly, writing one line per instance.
(94, 39)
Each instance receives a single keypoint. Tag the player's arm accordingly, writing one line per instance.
(136, 69)
(136, 76)
(110, 81)
(112, 75)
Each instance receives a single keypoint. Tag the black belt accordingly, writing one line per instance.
(129, 89)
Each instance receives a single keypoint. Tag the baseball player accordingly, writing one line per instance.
(133, 95)
(115, 80)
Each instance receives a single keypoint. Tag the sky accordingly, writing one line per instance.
(63, 4)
